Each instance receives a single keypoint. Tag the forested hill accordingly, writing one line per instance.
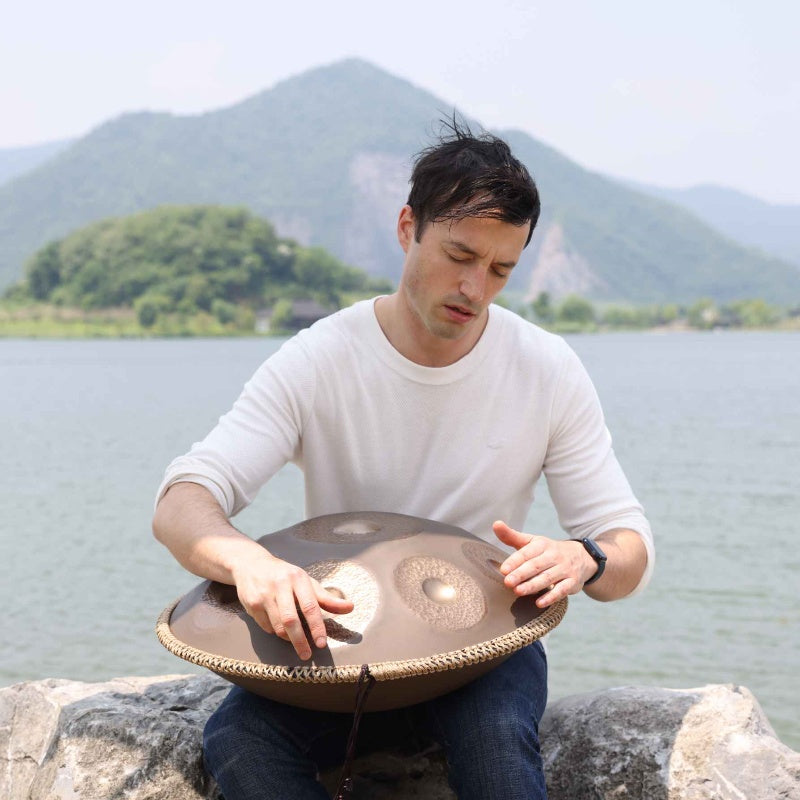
(772, 227)
(326, 155)
(15, 161)
(187, 259)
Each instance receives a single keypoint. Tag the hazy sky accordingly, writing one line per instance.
(676, 93)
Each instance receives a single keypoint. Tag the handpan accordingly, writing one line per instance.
(430, 614)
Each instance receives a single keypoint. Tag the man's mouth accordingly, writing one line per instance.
(459, 313)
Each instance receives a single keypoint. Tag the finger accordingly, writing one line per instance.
(307, 602)
(331, 600)
(533, 551)
(274, 616)
(290, 621)
(259, 614)
(540, 581)
(558, 592)
(509, 536)
(543, 572)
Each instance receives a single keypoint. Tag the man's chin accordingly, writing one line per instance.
(451, 333)
(450, 329)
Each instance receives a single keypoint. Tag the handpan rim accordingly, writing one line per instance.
(497, 647)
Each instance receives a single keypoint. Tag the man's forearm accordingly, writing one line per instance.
(627, 561)
(191, 524)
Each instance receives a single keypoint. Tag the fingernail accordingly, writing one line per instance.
(321, 642)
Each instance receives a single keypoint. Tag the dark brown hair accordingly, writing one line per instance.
(464, 175)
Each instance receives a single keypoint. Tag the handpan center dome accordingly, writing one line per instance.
(358, 527)
(369, 526)
(439, 591)
(347, 579)
(430, 585)
(430, 613)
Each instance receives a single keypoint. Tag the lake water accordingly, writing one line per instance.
(707, 427)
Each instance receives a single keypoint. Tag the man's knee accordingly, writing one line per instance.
(218, 743)
(236, 730)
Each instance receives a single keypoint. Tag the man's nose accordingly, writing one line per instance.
(472, 285)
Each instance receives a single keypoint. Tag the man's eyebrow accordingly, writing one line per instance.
(467, 250)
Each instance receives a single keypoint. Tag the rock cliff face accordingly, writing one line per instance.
(559, 269)
(378, 188)
(140, 739)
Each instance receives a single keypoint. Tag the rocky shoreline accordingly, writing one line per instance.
(139, 739)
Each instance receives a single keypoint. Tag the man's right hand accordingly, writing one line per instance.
(279, 596)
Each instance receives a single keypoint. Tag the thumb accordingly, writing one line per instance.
(509, 536)
(332, 599)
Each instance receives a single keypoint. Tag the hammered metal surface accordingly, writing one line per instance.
(486, 558)
(367, 527)
(352, 581)
(464, 607)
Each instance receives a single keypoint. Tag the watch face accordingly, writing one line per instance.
(594, 550)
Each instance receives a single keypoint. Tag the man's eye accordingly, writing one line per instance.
(501, 274)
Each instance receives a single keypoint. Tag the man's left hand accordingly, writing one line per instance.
(555, 566)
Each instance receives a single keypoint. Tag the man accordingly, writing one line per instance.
(430, 402)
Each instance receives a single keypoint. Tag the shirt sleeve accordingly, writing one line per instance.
(588, 487)
(259, 435)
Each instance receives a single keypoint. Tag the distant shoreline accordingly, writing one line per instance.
(71, 324)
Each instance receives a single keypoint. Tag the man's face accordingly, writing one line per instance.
(455, 271)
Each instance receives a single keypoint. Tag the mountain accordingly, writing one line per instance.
(319, 155)
(605, 241)
(326, 157)
(773, 228)
(15, 161)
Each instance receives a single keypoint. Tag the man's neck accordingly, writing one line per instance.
(412, 340)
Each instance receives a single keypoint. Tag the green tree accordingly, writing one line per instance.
(543, 308)
(324, 275)
(576, 310)
(44, 271)
(754, 313)
(224, 311)
(667, 313)
(281, 317)
(703, 314)
(628, 317)
(149, 307)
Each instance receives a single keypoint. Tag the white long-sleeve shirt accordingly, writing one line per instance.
(464, 444)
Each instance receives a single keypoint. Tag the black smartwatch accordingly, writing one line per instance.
(593, 549)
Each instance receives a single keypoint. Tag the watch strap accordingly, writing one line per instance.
(593, 549)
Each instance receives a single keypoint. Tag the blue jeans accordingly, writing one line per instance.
(258, 749)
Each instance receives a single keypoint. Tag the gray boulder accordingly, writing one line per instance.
(131, 738)
(713, 743)
(139, 739)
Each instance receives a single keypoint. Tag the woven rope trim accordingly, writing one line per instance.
(382, 671)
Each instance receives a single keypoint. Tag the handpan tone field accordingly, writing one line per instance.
(431, 613)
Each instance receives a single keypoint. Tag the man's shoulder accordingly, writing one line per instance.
(339, 331)
(322, 352)
(528, 338)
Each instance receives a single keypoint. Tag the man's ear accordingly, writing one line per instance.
(406, 227)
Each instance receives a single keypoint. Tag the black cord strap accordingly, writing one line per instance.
(365, 684)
